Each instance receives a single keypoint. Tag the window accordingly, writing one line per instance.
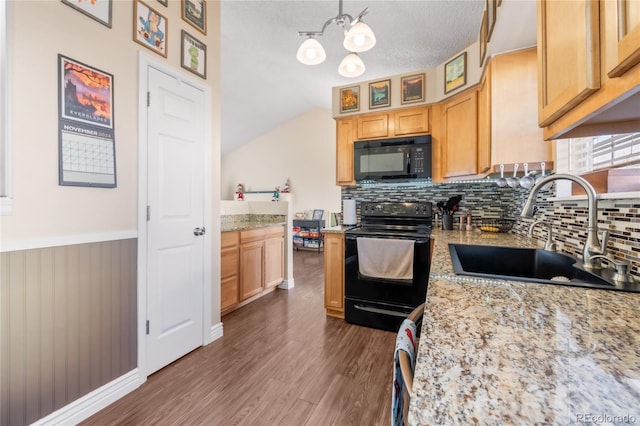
(5, 146)
(582, 155)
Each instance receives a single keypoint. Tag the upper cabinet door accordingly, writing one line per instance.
(568, 55)
(460, 126)
(345, 134)
(371, 126)
(627, 26)
(412, 121)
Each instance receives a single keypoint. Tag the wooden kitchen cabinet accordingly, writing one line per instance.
(403, 122)
(251, 265)
(261, 259)
(515, 134)
(568, 56)
(626, 22)
(334, 274)
(484, 123)
(345, 135)
(229, 269)
(273, 257)
(460, 131)
(411, 121)
(399, 123)
(373, 126)
(589, 78)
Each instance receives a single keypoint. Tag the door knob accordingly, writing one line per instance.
(199, 231)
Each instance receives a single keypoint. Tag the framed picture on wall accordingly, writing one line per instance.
(455, 73)
(491, 17)
(412, 88)
(380, 94)
(150, 28)
(350, 99)
(483, 38)
(194, 55)
(100, 10)
(195, 13)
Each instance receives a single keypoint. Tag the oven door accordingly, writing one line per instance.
(384, 303)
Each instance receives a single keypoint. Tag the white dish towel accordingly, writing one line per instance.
(385, 258)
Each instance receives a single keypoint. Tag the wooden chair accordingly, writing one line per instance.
(404, 365)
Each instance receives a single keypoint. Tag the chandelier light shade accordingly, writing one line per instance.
(358, 38)
(351, 66)
(311, 52)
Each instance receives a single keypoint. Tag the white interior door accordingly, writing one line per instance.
(175, 226)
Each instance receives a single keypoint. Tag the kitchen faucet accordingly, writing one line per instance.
(592, 247)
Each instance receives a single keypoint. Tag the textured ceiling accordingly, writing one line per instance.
(264, 86)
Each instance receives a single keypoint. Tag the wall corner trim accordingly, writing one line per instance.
(216, 332)
(286, 284)
(94, 401)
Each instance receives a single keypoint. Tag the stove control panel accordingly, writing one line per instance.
(414, 209)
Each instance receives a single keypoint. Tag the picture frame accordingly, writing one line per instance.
(349, 99)
(482, 37)
(380, 94)
(195, 13)
(317, 214)
(193, 55)
(455, 73)
(150, 28)
(491, 7)
(99, 10)
(412, 88)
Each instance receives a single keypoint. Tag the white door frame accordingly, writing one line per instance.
(145, 61)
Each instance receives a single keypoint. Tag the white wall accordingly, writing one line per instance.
(303, 150)
(41, 30)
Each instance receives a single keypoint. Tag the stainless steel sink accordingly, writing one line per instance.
(529, 264)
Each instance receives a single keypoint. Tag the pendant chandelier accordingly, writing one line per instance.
(358, 37)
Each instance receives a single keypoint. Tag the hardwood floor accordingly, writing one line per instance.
(281, 361)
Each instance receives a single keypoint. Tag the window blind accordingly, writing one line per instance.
(580, 155)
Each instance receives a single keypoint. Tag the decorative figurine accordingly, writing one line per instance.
(286, 187)
(276, 194)
(239, 192)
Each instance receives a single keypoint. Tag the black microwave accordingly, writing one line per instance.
(397, 159)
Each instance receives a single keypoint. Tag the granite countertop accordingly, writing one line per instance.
(508, 352)
(249, 225)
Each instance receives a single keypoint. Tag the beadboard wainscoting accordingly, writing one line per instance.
(568, 217)
(68, 324)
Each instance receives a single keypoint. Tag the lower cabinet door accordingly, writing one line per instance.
(251, 272)
(273, 261)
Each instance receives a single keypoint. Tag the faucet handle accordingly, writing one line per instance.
(605, 241)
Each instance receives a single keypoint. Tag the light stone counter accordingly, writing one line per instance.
(241, 222)
(508, 352)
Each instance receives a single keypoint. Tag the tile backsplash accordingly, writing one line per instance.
(484, 200)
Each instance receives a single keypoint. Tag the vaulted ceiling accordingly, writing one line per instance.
(264, 86)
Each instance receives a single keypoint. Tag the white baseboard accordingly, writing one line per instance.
(91, 403)
(286, 284)
(216, 332)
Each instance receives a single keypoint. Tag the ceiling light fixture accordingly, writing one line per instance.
(358, 37)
